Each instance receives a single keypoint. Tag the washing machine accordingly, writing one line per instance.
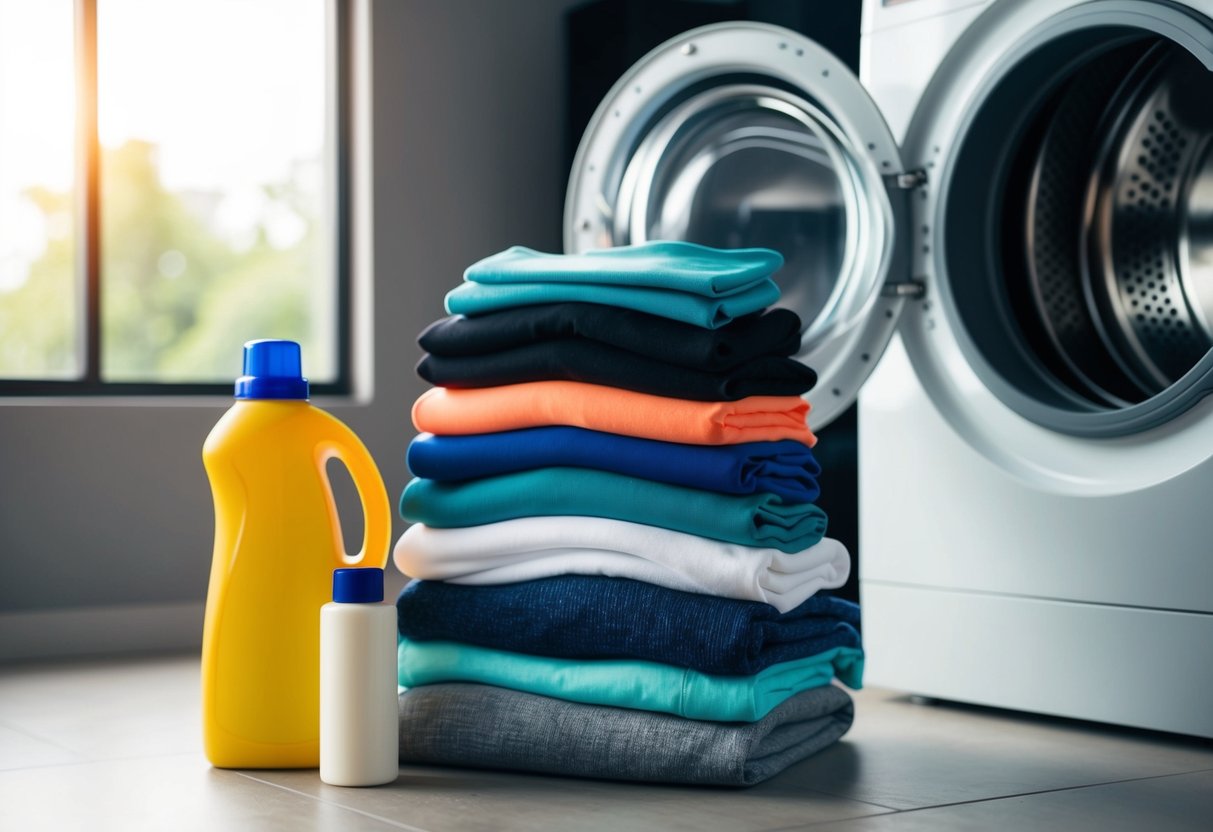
(1001, 243)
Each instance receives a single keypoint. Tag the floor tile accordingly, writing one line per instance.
(178, 792)
(440, 799)
(906, 755)
(1175, 803)
(20, 750)
(107, 709)
(136, 723)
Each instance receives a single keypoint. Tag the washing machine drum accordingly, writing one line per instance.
(1117, 227)
(1075, 237)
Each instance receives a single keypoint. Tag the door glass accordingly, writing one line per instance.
(758, 178)
(751, 165)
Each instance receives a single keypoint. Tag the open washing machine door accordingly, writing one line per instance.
(1068, 264)
(746, 134)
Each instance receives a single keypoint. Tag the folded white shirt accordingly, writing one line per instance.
(540, 547)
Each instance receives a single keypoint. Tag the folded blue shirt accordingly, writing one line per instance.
(584, 617)
(786, 468)
(673, 265)
(683, 281)
(707, 312)
(760, 520)
(627, 683)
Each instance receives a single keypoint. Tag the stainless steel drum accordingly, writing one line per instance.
(1141, 275)
(1055, 212)
(1118, 233)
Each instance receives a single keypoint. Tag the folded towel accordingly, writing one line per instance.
(581, 617)
(594, 363)
(628, 683)
(540, 547)
(762, 520)
(488, 727)
(660, 264)
(773, 332)
(477, 299)
(537, 403)
(787, 469)
(678, 280)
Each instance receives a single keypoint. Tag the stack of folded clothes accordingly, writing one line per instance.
(618, 556)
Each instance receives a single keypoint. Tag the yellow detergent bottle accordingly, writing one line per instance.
(277, 541)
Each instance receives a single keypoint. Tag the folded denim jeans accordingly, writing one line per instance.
(787, 469)
(582, 617)
(762, 520)
(628, 683)
(488, 727)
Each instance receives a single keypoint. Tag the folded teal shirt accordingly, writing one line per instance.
(762, 520)
(659, 264)
(710, 313)
(645, 686)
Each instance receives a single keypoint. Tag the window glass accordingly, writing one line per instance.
(39, 300)
(216, 186)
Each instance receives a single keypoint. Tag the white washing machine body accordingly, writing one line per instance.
(1033, 527)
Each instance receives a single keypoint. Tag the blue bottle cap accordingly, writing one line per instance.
(272, 370)
(358, 586)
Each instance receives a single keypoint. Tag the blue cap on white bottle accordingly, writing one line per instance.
(358, 586)
(272, 370)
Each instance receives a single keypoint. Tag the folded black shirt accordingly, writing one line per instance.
(576, 359)
(773, 332)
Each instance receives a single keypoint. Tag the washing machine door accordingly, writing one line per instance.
(747, 134)
(1067, 329)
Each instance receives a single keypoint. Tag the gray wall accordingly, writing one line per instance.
(106, 506)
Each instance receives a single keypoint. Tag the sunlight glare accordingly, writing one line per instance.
(37, 117)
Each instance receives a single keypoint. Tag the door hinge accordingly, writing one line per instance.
(913, 288)
(911, 179)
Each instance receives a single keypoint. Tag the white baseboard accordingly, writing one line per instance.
(89, 631)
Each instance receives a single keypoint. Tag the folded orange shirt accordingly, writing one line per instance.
(612, 410)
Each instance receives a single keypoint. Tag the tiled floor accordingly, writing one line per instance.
(115, 745)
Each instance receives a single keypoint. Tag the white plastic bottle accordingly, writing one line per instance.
(359, 740)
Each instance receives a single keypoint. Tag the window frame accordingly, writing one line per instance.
(339, 95)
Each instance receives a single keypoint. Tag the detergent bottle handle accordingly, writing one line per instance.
(345, 445)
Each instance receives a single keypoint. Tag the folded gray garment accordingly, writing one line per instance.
(488, 727)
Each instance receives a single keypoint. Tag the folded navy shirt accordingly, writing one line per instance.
(592, 362)
(593, 617)
(786, 468)
(774, 332)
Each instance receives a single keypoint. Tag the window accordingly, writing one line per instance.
(172, 184)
